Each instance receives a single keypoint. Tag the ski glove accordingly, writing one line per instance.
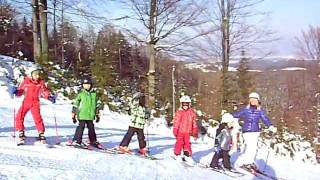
(74, 119)
(147, 114)
(232, 151)
(97, 118)
(195, 133)
(272, 129)
(13, 90)
(175, 132)
(216, 149)
(52, 99)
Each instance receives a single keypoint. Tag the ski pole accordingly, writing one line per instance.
(148, 147)
(14, 117)
(56, 127)
(267, 159)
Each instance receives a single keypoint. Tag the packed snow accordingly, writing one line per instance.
(202, 67)
(33, 161)
(294, 69)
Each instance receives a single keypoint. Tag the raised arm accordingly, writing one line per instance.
(239, 114)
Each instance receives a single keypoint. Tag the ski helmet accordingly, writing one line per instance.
(34, 67)
(185, 98)
(86, 80)
(227, 118)
(254, 95)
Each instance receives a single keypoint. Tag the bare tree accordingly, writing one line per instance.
(241, 27)
(43, 29)
(308, 45)
(36, 30)
(162, 25)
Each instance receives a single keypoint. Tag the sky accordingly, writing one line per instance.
(287, 18)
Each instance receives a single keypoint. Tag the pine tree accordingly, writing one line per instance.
(70, 47)
(25, 40)
(7, 15)
(105, 61)
(228, 91)
(9, 29)
(244, 78)
(84, 58)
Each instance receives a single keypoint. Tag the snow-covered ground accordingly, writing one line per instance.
(60, 162)
(294, 69)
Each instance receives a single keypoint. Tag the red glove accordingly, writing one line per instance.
(175, 132)
(195, 133)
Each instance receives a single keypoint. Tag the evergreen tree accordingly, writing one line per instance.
(25, 40)
(228, 91)
(9, 29)
(105, 60)
(244, 79)
(70, 47)
(84, 58)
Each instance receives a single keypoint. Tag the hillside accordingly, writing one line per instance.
(37, 162)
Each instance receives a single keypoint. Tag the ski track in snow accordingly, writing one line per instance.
(60, 162)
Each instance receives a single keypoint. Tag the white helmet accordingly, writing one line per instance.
(254, 95)
(34, 67)
(227, 118)
(185, 98)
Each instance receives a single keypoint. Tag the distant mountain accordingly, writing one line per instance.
(258, 65)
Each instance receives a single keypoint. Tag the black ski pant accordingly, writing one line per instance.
(80, 128)
(127, 138)
(225, 159)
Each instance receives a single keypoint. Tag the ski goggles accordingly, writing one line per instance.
(185, 104)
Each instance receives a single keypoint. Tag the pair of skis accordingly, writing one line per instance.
(117, 151)
(111, 151)
(183, 161)
(22, 142)
(258, 173)
(231, 173)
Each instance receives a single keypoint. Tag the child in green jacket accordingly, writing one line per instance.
(139, 115)
(86, 110)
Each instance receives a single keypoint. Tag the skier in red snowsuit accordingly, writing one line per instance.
(184, 125)
(32, 87)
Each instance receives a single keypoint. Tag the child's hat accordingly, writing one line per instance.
(86, 80)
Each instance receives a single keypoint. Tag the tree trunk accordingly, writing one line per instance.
(225, 16)
(62, 34)
(55, 34)
(173, 93)
(152, 54)
(44, 30)
(151, 77)
(36, 37)
(318, 128)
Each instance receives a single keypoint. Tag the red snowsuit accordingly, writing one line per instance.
(184, 125)
(32, 90)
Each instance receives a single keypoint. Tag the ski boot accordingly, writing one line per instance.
(41, 138)
(21, 139)
(177, 157)
(97, 145)
(188, 159)
(217, 168)
(79, 145)
(143, 152)
(252, 168)
(124, 150)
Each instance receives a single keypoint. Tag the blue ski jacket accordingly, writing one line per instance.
(251, 116)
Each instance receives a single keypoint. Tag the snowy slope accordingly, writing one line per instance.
(36, 162)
